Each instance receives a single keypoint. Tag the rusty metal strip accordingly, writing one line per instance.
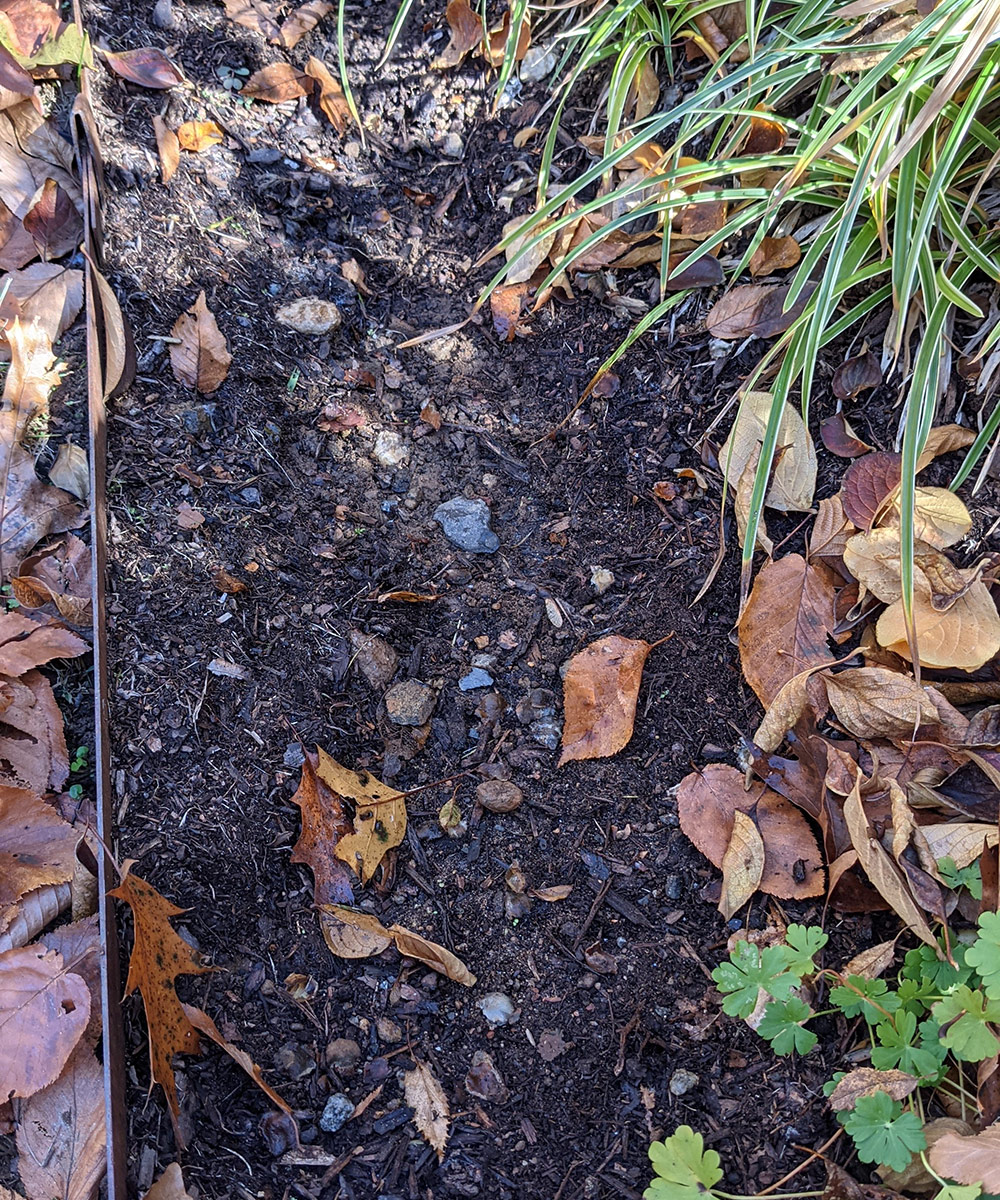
(113, 1057)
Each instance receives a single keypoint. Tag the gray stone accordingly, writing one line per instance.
(410, 702)
(343, 1054)
(537, 63)
(163, 15)
(336, 1113)
(476, 678)
(452, 145)
(466, 524)
(390, 449)
(682, 1081)
(267, 156)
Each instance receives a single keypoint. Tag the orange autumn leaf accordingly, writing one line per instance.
(198, 136)
(204, 1024)
(324, 823)
(600, 690)
(159, 955)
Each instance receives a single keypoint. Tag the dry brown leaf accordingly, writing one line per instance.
(426, 1097)
(201, 358)
(840, 439)
(32, 741)
(60, 574)
(831, 530)
(800, 693)
(32, 375)
(969, 1160)
(45, 295)
(868, 484)
(965, 637)
(303, 20)
(866, 1081)
(324, 823)
(379, 816)
(159, 956)
(943, 439)
(44, 1010)
(256, 15)
(874, 702)
(33, 912)
(742, 498)
(330, 95)
(37, 848)
(939, 518)
(882, 872)
(198, 136)
(647, 90)
(742, 865)
(53, 222)
(350, 940)
(25, 643)
(856, 375)
(17, 247)
(168, 148)
(494, 47)
(600, 690)
(505, 308)
(71, 471)
(873, 962)
(80, 946)
(170, 1185)
(873, 559)
(775, 254)
(794, 478)
(16, 83)
(755, 310)
(411, 944)
(204, 1024)
(145, 66)
(786, 624)
(524, 265)
(277, 83)
(706, 801)
(961, 841)
(61, 1137)
(558, 891)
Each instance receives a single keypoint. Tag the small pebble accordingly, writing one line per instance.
(682, 1081)
(476, 678)
(388, 1030)
(452, 146)
(390, 449)
(336, 1113)
(410, 702)
(497, 1008)
(343, 1054)
(466, 524)
(536, 64)
(163, 15)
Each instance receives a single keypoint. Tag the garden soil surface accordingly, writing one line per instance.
(618, 1035)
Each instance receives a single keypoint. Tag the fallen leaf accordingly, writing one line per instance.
(466, 29)
(411, 944)
(145, 66)
(25, 643)
(755, 310)
(348, 940)
(559, 891)
(939, 518)
(31, 914)
(80, 946)
(37, 849)
(198, 136)
(801, 693)
(856, 375)
(551, 1044)
(965, 637)
(868, 484)
(523, 258)
(61, 1137)
(794, 478)
(70, 45)
(168, 147)
(277, 83)
(961, 841)
(159, 956)
(840, 439)
(303, 20)
(188, 517)
(873, 702)
(379, 818)
(32, 741)
(831, 530)
(872, 962)
(969, 1160)
(494, 48)
(28, 24)
(786, 624)
(44, 295)
(600, 690)
(17, 246)
(430, 1105)
(882, 872)
(256, 15)
(775, 254)
(53, 222)
(203, 1023)
(227, 583)
(403, 596)
(201, 358)
(71, 471)
(505, 308)
(330, 95)
(324, 823)
(742, 865)
(943, 439)
(44, 1009)
(706, 802)
(866, 1081)
(16, 83)
(170, 1185)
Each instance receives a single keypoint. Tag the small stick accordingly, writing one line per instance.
(805, 1162)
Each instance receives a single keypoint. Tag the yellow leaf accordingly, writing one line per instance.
(198, 136)
(742, 865)
(794, 479)
(939, 517)
(966, 636)
(379, 819)
(438, 958)
(426, 1097)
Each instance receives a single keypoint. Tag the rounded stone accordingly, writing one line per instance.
(310, 315)
(410, 702)
(336, 1113)
(499, 795)
(343, 1054)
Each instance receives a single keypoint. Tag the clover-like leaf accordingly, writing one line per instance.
(685, 1170)
(964, 1017)
(960, 1191)
(955, 877)
(805, 942)
(869, 998)
(984, 953)
(750, 969)
(782, 1025)
(923, 964)
(896, 1047)
(883, 1133)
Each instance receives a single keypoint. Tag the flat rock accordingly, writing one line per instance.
(476, 678)
(310, 315)
(390, 449)
(410, 702)
(466, 524)
(374, 657)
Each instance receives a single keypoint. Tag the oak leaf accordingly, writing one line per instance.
(786, 624)
(431, 1113)
(600, 690)
(794, 478)
(200, 358)
(413, 945)
(44, 1010)
(159, 956)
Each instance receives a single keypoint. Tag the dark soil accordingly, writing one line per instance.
(317, 529)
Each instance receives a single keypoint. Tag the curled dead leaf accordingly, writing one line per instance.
(145, 66)
(413, 945)
(742, 865)
(431, 1114)
(755, 310)
(794, 479)
(600, 690)
(866, 1081)
(199, 136)
(200, 358)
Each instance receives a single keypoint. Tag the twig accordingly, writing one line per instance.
(805, 1162)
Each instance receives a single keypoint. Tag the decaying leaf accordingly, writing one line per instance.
(866, 1081)
(742, 865)
(411, 944)
(856, 375)
(168, 147)
(59, 574)
(873, 702)
(786, 624)
(523, 256)
(965, 636)
(969, 1160)
(203, 1023)
(37, 848)
(794, 480)
(256, 15)
(170, 1186)
(831, 530)
(32, 741)
(44, 295)
(159, 956)
(200, 358)
(198, 136)
(324, 823)
(25, 643)
(867, 486)
(330, 95)
(426, 1097)
(466, 29)
(872, 962)
(840, 439)
(52, 221)
(706, 802)
(71, 471)
(61, 1137)
(505, 308)
(44, 1010)
(961, 841)
(600, 690)
(145, 66)
(303, 20)
(379, 816)
(277, 83)
(755, 310)
(775, 254)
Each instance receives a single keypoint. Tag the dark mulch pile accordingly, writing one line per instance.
(317, 527)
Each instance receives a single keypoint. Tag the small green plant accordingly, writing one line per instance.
(9, 597)
(76, 791)
(925, 1034)
(80, 759)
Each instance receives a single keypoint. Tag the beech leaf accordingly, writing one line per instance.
(867, 485)
(794, 479)
(37, 848)
(145, 66)
(742, 865)
(426, 1097)
(200, 358)
(600, 690)
(966, 636)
